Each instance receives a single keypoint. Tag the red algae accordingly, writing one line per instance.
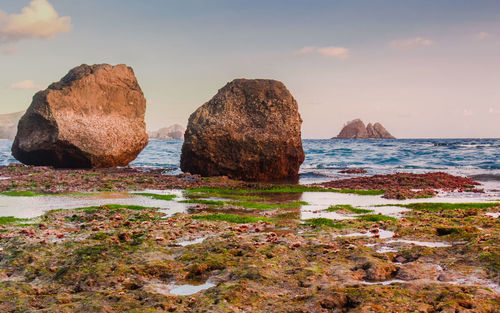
(51, 180)
(407, 185)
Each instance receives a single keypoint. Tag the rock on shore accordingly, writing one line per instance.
(250, 130)
(93, 117)
(356, 129)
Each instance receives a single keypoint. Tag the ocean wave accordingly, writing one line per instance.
(325, 158)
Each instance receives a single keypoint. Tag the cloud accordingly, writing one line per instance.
(39, 20)
(331, 51)
(26, 84)
(412, 43)
(483, 35)
(10, 49)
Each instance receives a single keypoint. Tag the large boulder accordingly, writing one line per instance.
(250, 130)
(92, 117)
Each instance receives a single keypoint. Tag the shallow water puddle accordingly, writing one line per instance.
(474, 281)
(186, 290)
(383, 234)
(178, 290)
(191, 242)
(319, 201)
(429, 244)
(461, 282)
(385, 249)
(29, 207)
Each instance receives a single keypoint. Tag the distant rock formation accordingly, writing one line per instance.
(174, 132)
(8, 124)
(356, 130)
(93, 117)
(250, 130)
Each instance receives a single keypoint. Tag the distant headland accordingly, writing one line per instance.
(174, 132)
(8, 124)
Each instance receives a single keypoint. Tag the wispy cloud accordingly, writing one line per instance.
(330, 51)
(37, 20)
(483, 35)
(412, 43)
(26, 84)
(9, 49)
(493, 111)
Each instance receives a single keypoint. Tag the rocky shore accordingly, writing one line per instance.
(245, 247)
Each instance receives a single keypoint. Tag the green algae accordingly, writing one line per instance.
(285, 189)
(156, 196)
(321, 221)
(27, 193)
(204, 201)
(230, 218)
(199, 194)
(4, 220)
(267, 206)
(444, 231)
(376, 218)
(247, 204)
(18, 193)
(348, 207)
(93, 209)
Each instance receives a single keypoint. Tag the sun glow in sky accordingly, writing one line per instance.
(427, 68)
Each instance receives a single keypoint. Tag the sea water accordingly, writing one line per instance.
(476, 158)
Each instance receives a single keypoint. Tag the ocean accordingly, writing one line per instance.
(477, 158)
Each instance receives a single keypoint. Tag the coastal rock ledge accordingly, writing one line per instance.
(92, 118)
(250, 130)
(356, 129)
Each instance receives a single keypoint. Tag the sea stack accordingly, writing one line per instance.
(356, 129)
(92, 118)
(250, 130)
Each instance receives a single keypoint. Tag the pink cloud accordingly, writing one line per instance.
(37, 20)
(330, 51)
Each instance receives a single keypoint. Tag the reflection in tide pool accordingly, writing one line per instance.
(319, 201)
(28, 207)
(187, 290)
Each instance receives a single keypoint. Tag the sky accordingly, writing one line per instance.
(424, 69)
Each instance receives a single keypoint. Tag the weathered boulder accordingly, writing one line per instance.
(356, 130)
(92, 117)
(250, 130)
